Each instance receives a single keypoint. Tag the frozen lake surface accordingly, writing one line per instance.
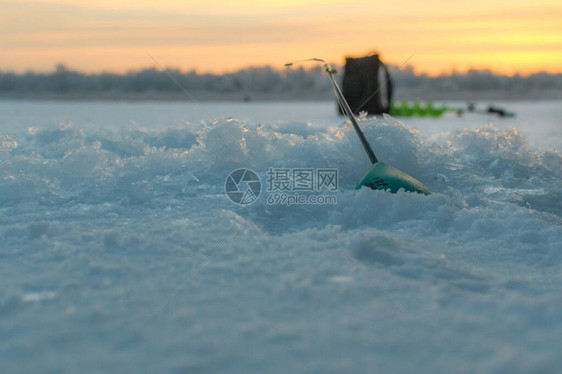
(121, 251)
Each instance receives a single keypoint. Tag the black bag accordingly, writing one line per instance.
(366, 85)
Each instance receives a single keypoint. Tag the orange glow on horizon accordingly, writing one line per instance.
(220, 36)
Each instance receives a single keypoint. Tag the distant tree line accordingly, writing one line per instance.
(154, 81)
(262, 83)
(539, 84)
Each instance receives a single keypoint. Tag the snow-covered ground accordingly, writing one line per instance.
(120, 251)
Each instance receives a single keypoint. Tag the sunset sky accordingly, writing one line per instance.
(218, 36)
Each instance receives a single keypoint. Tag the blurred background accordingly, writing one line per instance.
(235, 50)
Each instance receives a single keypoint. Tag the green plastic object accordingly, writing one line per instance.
(416, 109)
(381, 176)
(434, 112)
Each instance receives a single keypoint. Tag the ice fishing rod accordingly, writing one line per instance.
(345, 107)
(380, 176)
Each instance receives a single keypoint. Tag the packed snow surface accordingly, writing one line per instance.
(120, 251)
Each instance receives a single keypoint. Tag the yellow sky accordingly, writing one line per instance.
(441, 35)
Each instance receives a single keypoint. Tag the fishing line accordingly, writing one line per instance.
(184, 90)
(347, 110)
(192, 97)
(386, 80)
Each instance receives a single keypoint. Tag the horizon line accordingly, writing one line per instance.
(280, 68)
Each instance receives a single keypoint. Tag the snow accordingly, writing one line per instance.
(121, 252)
